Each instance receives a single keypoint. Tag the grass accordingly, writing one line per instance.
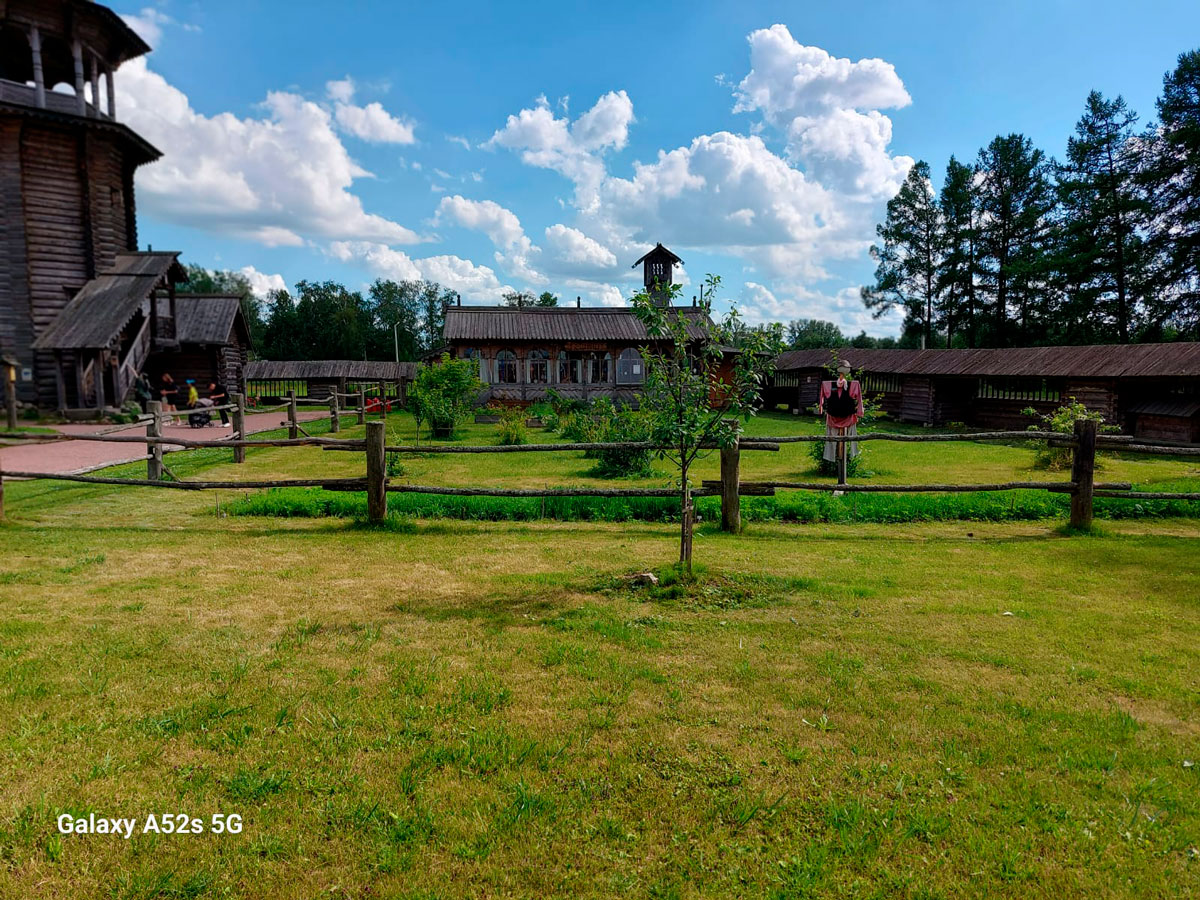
(469, 708)
(896, 463)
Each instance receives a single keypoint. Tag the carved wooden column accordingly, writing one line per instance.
(39, 79)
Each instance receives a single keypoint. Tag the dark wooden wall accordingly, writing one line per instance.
(58, 252)
(67, 204)
(1167, 428)
(16, 321)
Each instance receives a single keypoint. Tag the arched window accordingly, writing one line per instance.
(630, 368)
(506, 367)
(539, 367)
(58, 65)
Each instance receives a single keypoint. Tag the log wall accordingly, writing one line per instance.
(66, 210)
(57, 248)
(16, 321)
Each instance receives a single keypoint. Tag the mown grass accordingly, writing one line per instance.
(897, 463)
(459, 708)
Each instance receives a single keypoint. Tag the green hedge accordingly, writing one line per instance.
(786, 506)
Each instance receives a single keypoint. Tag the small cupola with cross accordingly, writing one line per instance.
(656, 273)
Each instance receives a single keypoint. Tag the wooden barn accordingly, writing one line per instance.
(1147, 389)
(270, 380)
(580, 352)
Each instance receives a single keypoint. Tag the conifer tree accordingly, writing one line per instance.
(1174, 180)
(1101, 252)
(907, 261)
(956, 275)
(1015, 200)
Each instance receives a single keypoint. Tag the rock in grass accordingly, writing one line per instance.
(642, 579)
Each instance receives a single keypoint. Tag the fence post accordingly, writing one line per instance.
(382, 401)
(10, 395)
(239, 426)
(334, 424)
(376, 473)
(731, 501)
(362, 405)
(293, 431)
(1083, 473)
(843, 450)
(154, 458)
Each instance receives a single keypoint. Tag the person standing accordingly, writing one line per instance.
(220, 397)
(168, 390)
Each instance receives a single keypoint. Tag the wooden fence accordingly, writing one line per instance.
(1082, 486)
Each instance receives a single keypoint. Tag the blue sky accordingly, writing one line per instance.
(546, 145)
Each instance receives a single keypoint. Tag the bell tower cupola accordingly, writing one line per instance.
(657, 273)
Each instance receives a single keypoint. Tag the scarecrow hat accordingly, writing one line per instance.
(843, 368)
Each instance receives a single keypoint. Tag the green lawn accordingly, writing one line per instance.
(484, 709)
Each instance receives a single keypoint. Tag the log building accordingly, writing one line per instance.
(580, 352)
(82, 310)
(270, 380)
(1149, 390)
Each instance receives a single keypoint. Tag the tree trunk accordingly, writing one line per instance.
(685, 525)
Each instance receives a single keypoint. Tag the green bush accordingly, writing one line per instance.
(512, 425)
(443, 393)
(624, 425)
(1063, 421)
(394, 465)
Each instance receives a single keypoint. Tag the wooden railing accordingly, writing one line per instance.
(1082, 486)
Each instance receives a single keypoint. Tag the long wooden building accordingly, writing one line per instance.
(269, 379)
(579, 352)
(1151, 390)
(81, 309)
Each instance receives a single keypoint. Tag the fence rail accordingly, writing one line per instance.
(1082, 487)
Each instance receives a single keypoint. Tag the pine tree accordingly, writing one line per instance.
(1174, 179)
(1015, 201)
(959, 203)
(906, 274)
(1101, 250)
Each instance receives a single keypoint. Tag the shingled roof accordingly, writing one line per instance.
(205, 318)
(1173, 360)
(553, 324)
(103, 306)
(298, 369)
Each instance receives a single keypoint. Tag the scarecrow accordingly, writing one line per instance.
(841, 403)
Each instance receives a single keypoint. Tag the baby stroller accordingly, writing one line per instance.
(199, 417)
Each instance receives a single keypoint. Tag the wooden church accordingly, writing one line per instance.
(82, 309)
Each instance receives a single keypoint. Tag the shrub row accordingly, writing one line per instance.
(787, 506)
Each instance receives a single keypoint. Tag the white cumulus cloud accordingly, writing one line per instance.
(828, 109)
(371, 123)
(477, 284)
(280, 178)
(261, 283)
(573, 149)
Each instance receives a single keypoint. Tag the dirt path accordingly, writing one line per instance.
(74, 457)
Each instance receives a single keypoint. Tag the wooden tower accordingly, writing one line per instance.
(66, 173)
(657, 275)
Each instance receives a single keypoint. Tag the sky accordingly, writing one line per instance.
(546, 146)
